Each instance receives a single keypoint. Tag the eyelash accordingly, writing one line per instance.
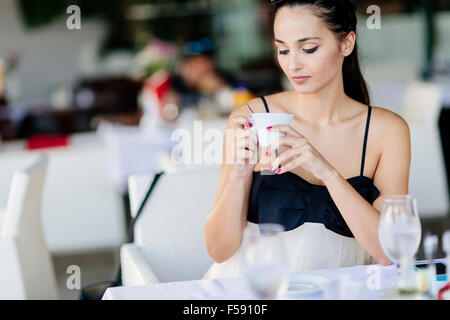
(308, 51)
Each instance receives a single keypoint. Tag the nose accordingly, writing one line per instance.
(295, 63)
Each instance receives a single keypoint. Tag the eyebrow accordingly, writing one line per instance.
(300, 40)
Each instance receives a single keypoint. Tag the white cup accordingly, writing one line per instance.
(260, 122)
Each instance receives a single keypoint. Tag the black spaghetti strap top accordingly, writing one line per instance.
(291, 201)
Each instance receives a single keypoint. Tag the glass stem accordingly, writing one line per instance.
(407, 275)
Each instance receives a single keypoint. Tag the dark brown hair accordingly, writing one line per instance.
(340, 17)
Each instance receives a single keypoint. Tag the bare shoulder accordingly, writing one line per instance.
(243, 110)
(390, 132)
(255, 104)
(386, 123)
(276, 101)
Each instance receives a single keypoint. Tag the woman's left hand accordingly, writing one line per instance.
(300, 153)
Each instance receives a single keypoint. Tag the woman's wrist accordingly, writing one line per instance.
(331, 176)
(237, 176)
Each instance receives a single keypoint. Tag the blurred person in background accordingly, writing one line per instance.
(196, 82)
(198, 72)
(331, 171)
(197, 76)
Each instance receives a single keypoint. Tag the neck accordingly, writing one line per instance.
(324, 107)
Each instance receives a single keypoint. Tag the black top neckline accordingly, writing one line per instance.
(291, 201)
(318, 185)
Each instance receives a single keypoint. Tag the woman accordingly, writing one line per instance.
(332, 170)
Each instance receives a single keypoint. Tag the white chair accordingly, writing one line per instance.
(428, 178)
(169, 242)
(81, 211)
(26, 269)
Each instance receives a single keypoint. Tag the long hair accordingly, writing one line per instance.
(340, 17)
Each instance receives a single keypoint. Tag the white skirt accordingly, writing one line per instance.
(310, 246)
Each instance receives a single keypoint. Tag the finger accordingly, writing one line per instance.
(252, 133)
(241, 122)
(288, 130)
(246, 139)
(241, 149)
(291, 165)
(243, 155)
(247, 144)
(287, 141)
(285, 156)
(252, 158)
(246, 133)
(247, 154)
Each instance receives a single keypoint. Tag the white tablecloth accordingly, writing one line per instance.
(366, 282)
(236, 288)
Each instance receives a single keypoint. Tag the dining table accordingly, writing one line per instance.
(361, 282)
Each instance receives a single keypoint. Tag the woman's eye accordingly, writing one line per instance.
(312, 50)
(283, 51)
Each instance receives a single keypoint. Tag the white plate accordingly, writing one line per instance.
(304, 284)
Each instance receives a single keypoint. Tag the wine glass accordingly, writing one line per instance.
(265, 260)
(400, 233)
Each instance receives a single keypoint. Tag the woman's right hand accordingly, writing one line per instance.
(244, 147)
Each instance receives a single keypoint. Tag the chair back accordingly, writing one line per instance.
(170, 230)
(26, 271)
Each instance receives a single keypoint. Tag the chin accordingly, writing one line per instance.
(304, 89)
(311, 87)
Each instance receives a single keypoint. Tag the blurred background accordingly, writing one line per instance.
(103, 100)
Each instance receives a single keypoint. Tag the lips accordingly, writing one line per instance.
(300, 79)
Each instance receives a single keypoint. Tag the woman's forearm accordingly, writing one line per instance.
(224, 226)
(361, 217)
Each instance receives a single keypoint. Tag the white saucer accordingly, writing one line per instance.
(304, 284)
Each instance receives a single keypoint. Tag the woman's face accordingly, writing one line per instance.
(308, 52)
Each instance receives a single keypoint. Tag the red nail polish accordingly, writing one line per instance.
(271, 167)
(269, 128)
(267, 153)
(278, 171)
(250, 124)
